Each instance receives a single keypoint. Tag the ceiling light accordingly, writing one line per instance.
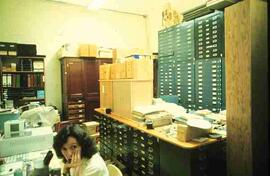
(96, 4)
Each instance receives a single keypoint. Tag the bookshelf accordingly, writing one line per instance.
(22, 79)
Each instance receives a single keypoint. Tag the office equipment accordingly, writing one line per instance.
(9, 169)
(40, 139)
(41, 116)
(7, 114)
(14, 128)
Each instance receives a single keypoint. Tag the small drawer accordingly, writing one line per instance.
(75, 106)
(76, 116)
(76, 111)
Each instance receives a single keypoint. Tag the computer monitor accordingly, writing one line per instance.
(7, 115)
(14, 128)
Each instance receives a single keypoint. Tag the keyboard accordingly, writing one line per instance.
(25, 157)
(16, 158)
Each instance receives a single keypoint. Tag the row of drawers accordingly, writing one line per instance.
(75, 109)
(142, 160)
(131, 147)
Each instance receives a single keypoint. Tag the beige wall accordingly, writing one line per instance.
(51, 24)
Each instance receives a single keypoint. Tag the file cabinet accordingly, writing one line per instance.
(199, 39)
(209, 36)
(184, 41)
(166, 42)
(209, 84)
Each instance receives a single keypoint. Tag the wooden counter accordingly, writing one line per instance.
(153, 132)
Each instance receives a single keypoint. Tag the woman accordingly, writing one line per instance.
(78, 152)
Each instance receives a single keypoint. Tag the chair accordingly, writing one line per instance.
(113, 170)
(170, 98)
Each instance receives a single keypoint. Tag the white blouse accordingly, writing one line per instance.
(95, 166)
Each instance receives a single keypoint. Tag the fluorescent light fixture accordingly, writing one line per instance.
(96, 4)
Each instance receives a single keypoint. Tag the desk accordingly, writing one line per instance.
(140, 151)
(22, 160)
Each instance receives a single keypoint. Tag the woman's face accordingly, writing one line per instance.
(70, 147)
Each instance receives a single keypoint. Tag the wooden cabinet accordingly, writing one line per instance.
(21, 80)
(80, 87)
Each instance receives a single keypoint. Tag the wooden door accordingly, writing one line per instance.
(91, 86)
(74, 77)
(91, 76)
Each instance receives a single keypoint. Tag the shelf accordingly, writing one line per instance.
(22, 72)
(36, 99)
(25, 57)
(22, 76)
(41, 88)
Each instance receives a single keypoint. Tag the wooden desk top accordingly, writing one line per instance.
(186, 145)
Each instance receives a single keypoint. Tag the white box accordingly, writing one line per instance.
(91, 127)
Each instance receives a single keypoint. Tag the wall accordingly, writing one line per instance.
(51, 24)
(154, 20)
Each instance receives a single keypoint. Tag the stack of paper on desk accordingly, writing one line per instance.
(159, 118)
(143, 110)
(155, 113)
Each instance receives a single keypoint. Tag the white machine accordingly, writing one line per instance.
(13, 128)
(40, 139)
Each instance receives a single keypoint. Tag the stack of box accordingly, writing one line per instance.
(88, 50)
(139, 69)
(105, 72)
(8, 49)
(121, 94)
(92, 129)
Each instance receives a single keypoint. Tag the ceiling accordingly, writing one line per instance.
(142, 7)
(132, 6)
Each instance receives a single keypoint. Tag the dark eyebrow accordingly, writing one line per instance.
(74, 144)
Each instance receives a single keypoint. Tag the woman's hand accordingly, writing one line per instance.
(75, 162)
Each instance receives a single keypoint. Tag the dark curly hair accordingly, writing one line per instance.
(74, 130)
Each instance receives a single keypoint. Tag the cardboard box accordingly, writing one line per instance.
(88, 50)
(92, 49)
(68, 50)
(105, 52)
(91, 127)
(106, 94)
(95, 137)
(186, 133)
(118, 71)
(125, 52)
(84, 50)
(128, 94)
(139, 69)
(12, 49)
(3, 49)
(114, 55)
(105, 72)
(114, 71)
